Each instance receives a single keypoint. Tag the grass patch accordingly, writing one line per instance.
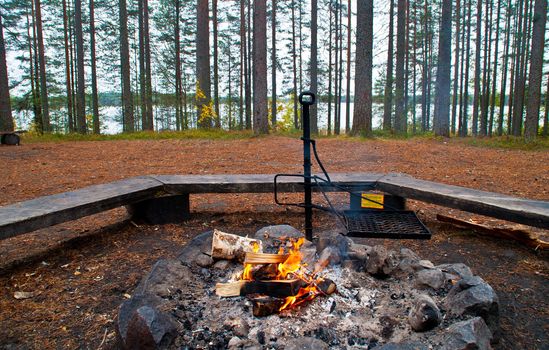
(210, 134)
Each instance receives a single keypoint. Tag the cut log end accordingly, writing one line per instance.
(228, 246)
(265, 306)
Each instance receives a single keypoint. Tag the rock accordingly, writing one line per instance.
(403, 346)
(473, 296)
(467, 335)
(306, 343)
(458, 269)
(272, 235)
(238, 326)
(166, 276)
(235, 343)
(127, 310)
(406, 253)
(381, 262)
(199, 244)
(432, 278)
(222, 265)
(426, 264)
(335, 240)
(150, 329)
(424, 314)
(329, 256)
(203, 260)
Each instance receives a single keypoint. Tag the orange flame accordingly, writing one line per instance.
(247, 272)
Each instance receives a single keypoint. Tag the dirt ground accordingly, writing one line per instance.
(79, 272)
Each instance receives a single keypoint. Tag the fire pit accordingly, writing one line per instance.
(292, 294)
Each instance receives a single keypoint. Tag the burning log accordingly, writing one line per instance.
(327, 286)
(264, 258)
(265, 306)
(229, 246)
(279, 289)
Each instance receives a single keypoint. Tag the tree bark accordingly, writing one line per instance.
(388, 96)
(362, 113)
(456, 69)
(203, 85)
(504, 75)
(494, 77)
(42, 66)
(67, 66)
(80, 84)
(249, 85)
(127, 101)
(536, 70)
(148, 79)
(294, 68)
(546, 118)
(216, 66)
(516, 126)
(243, 63)
(476, 97)
(348, 96)
(336, 67)
(464, 122)
(400, 115)
(442, 107)
(177, 34)
(314, 65)
(330, 47)
(95, 97)
(274, 64)
(6, 118)
(260, 110)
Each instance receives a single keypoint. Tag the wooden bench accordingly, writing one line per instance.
(169, 195)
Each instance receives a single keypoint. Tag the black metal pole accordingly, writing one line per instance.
(306, 99)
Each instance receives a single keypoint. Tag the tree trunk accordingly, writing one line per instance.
(127, 101)
(95, 97)
(348, 96)
(330, 46)
(536, 70)
(462, 68)
(456, 69)
(415, 62)
(294, 68)
(400, 115)
(273, 64)
(203, 85)
(494, 77)
(80, 84)
(177, 77)
(362, 113)
(243, 63)
(261, 114)
(546, 118)
(216, 69)
(67, 66)
(516, 126)
(487, 63)
(32, 60)
(142, 71)
(314, 65)
(388, 96)
(249, 85)
(6, 118)
(512, 74)
(148, 78)
(504, 75)
(42, 66)
(336, 67)
(442, 107)
(340, 71)
(425, 73)
(476, 97)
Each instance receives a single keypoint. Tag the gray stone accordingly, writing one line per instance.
(236, 343)
(329, 256)
(127, 310)
(473, 296)
(272, 235)
(432, 278)
(458, 269)
(471, 334)
(306, 343)
(424, 314)
(403, 346)
(406, 253)
(203, 260)
(381, 262)
(335, 240)
(166, 276)
(222, 265)
(238, 326)
(198, 245)
(150, 329)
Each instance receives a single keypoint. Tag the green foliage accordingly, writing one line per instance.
(210, 134)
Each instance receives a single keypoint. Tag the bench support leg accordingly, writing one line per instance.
(161, 210)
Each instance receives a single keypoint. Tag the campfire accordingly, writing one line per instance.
(272, 282)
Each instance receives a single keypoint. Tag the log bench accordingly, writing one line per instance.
(165, 198)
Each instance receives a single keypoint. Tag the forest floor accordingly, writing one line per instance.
(79, 272)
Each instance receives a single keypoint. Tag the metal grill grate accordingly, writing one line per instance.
(385, 224)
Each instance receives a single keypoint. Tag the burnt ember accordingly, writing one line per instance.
(382, 297)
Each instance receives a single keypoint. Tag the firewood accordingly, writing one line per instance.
(264, 258)
(327, 286)
(280, 289)
(264, 272)
(228, 246)
(265, 306)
